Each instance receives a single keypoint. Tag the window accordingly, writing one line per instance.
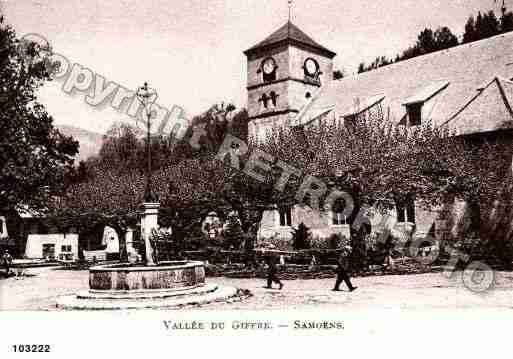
(414, 112)
(66, 248)
(312, 71)
(49, 250)
(406, 211)
(338, 217)
(268, 68)
(270, 77)
(285, 216)
(274, 98)
(264, 99)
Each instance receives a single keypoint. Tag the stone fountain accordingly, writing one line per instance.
(153, 285)
(149, 285)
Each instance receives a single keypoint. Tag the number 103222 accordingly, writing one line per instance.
(31, 348)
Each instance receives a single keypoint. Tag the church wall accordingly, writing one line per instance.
(424, 220)
(319, 223)
(259, 128)
(447, 227)
(297, 94)
(256, 107)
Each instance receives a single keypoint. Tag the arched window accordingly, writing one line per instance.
(285, 216)
(268, 68)
(338, 217)
(406, 211)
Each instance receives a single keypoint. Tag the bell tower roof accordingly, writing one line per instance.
(290, 34)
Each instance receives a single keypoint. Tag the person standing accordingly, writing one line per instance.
(282, 261)
(313, 264)
(272, 271)
(7, 259)
(342, 273)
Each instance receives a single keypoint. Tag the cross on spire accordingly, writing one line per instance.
(290, 9)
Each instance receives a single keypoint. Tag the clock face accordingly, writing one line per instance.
(311, 67)
(268, 66)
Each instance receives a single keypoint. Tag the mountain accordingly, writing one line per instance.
(90, 142)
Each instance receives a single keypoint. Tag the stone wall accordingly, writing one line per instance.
(279, 54)
(319, 223)
(259, 128)
(449, 224)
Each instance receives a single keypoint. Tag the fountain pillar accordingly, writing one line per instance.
(149, 222)
(3, 228)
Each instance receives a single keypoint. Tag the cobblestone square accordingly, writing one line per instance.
(41, 287)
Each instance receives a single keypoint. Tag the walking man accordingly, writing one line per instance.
(7, 259)
(272, 271)
(342, 273)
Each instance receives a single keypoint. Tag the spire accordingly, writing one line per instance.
(290, 10)
(292, 34)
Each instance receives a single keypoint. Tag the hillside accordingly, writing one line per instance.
(90, 142)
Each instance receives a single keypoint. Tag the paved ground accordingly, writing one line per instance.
(39, 290)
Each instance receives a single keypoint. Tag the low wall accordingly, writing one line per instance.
(95, 256)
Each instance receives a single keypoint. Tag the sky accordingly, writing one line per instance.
(191, 51)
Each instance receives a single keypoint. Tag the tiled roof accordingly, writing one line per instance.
(291, 32)
(489, 110)
(447, 80)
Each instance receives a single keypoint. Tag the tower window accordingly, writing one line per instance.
(414, 112)
(285, 216)
(270, 77)
(264, 99)
(268, 69)
(274, 98)
(312, 70)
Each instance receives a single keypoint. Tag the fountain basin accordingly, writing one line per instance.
(166, 285)
(166, 276)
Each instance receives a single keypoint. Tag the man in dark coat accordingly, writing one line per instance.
(342, 273)
(272, 271)
(7, 259)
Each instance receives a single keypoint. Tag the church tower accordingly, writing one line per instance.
(284, 71)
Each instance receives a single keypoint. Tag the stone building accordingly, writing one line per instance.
(468, 88)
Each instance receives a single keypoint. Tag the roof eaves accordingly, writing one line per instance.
(367, 104)
(289, 41)
(427, 93)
